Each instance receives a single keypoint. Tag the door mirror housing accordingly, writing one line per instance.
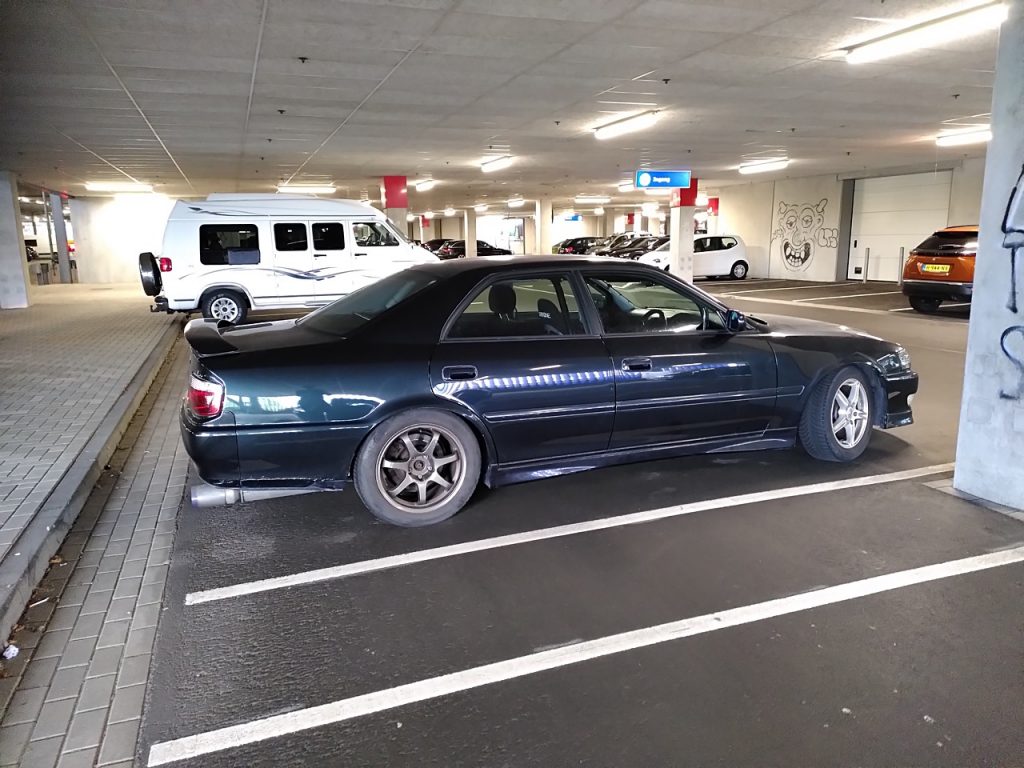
(735, 321)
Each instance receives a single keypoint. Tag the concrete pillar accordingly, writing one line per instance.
(61, 233)
(543, 226)
(469, 228)
(14, 290)
(680, 231)
(990, 447)
(638, 220)
(609, 223)
(394, 196)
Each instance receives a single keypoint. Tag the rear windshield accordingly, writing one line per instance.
(347, 314)
(952, 243)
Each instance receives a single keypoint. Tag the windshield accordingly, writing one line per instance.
(358, 308)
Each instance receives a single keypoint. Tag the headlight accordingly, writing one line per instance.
(896, 362)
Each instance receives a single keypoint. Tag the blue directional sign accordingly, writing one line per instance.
(647, 179)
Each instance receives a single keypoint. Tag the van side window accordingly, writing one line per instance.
(371, 234)
(215, 240)
(290, 237)
(328, 236)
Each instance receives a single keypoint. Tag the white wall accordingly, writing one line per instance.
(746, 210)
(448, 226)
(965, 192)
(110, 233)
(805, 225)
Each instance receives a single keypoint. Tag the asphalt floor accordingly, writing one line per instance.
(701, 611)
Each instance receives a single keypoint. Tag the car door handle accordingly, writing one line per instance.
(319, 255)
(636, 364)
(458, 372)
(360, 254)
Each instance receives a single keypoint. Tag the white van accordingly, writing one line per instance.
(234, 252)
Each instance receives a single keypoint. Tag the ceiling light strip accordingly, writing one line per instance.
(627, 124)
(764, 166)
(960, 138)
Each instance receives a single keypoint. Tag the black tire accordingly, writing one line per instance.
(215, 306)
(925, 304)
(149, 273)
(817, 435)
(385, 444)
(739, 270)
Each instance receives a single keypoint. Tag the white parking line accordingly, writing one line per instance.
(787, 288)
(541, 534)
(844, 296)
(838, 307)
(233, 736)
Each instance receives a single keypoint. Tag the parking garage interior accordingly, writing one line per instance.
(861, 160)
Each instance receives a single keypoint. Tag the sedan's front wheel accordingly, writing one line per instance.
(836, 422)
(418, 468)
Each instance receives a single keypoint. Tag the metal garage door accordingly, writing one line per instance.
(892, 212)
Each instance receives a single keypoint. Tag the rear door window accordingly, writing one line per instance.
(291, 237)
(328, 236)
(520, 307)
(217, 243)
(728, 242)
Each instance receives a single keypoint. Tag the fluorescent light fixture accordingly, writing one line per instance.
(764, 166)
(497, 163)
(307, 189)
(428, 214)
(959, 138)
(930, 33)
(591, 199)
(24, 200)
(516, 202)
(627, 124)
(410, 217)
(626, 186)
(449, 211)
(425, 186)
(599, 211)
(482, 208)
(657, 192)
(117, 186)
(702, 199)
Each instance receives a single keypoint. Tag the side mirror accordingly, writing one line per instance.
(735, 321)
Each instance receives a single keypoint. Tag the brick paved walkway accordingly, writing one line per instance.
(86, 651)
(63, 363)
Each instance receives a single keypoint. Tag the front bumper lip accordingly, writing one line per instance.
(899, 389)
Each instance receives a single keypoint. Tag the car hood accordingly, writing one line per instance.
(799, 326)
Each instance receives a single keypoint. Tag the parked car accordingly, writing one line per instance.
(436, 243)
(574, 245)
(713, 256)
(634, 249)
(509, 370)
(234, 252)
(615, 242)
(456, 249)
(941, 269)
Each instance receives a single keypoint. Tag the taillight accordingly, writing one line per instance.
(205, 398)
(165, 264)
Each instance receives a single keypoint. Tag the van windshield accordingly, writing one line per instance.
(347, 314)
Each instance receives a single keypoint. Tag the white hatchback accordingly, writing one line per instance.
(713, 256)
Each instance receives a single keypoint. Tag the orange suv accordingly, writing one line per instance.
(941, 268)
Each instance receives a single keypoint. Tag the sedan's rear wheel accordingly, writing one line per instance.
(836, 422)
(418, 468)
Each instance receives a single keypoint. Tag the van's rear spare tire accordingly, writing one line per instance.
(149, 273)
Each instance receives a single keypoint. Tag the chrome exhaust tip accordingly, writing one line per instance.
(206, 495)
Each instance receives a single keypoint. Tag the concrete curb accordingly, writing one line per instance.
(30, 554)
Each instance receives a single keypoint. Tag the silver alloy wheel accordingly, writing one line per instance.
(850, 413)
(739, 270)
(421, 468)
(224, 308)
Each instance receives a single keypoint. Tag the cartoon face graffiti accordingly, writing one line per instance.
(800, 228)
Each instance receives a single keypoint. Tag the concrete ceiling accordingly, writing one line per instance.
(198, 96)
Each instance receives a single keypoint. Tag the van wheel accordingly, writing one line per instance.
(926, 305)
(417, 468)
(738, 271)
(229, 306)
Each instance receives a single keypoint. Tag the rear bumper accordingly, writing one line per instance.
(899, 389)
(213, 451)
(937, 289)
(160, 305)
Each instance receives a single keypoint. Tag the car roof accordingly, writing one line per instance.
(968, 228)
(510, 263)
